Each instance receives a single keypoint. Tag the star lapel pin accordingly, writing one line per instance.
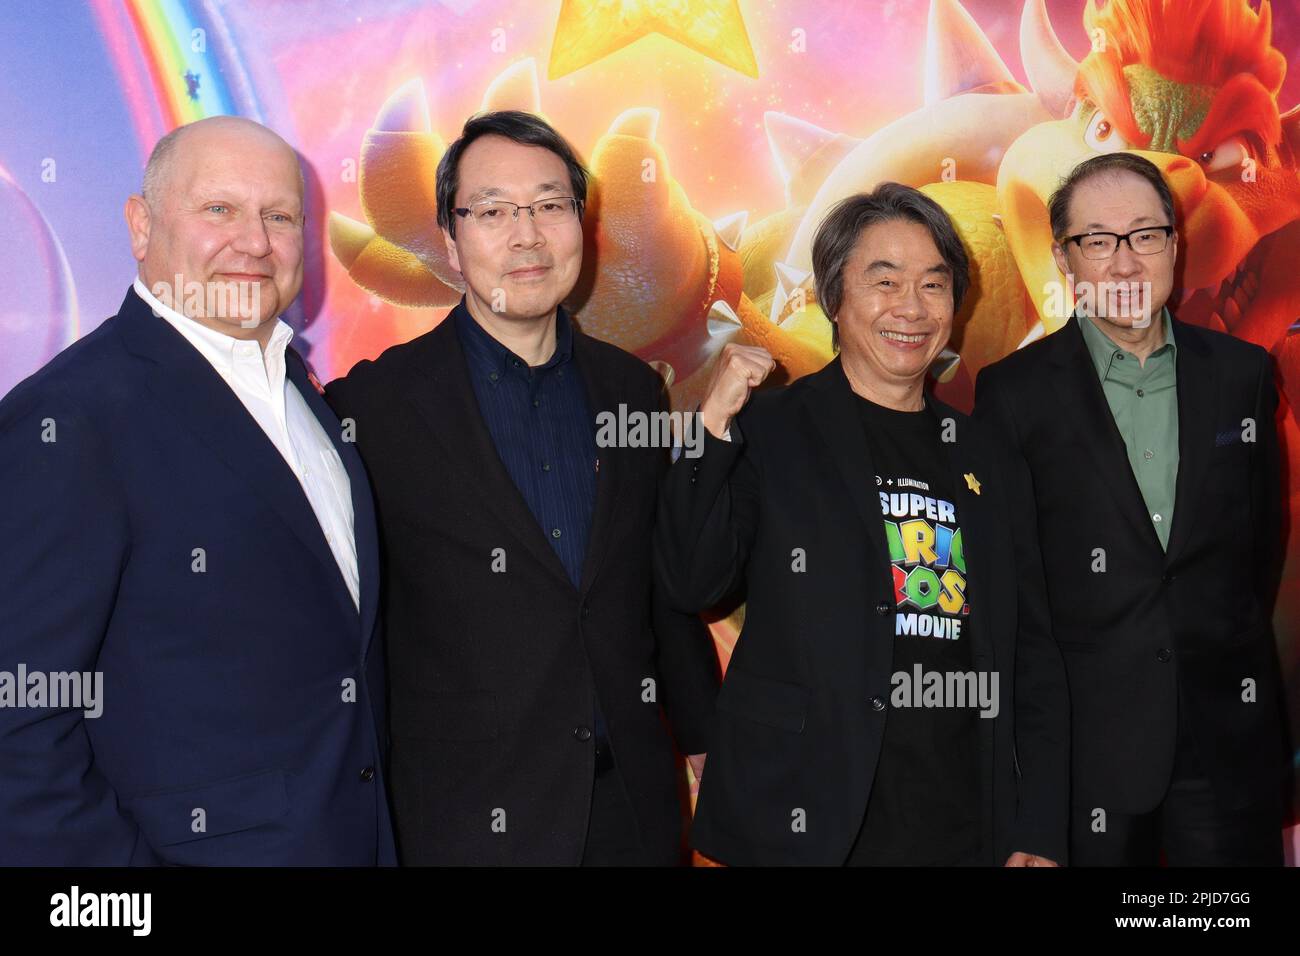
(972, 482)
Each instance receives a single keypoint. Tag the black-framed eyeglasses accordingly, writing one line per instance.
(1146, 241)
(495, 213)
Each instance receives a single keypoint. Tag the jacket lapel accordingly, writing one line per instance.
(1198, 389)
(602, 395)
(185, 384)
(443, 395)
(1088, 413)
(365, 534)
(837, 423)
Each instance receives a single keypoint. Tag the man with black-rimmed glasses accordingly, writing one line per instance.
(1155, 467)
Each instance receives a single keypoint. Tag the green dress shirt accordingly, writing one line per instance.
(1143, 399)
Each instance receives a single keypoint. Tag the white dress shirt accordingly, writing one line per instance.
(261, 384)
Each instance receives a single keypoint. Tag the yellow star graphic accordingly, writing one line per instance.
(972, 482)
(589, 30)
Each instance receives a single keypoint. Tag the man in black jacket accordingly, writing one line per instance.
(1155, 472)
(895, 697)
(528, 659)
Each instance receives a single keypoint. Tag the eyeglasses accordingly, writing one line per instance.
(1146, 241)
(495, 213)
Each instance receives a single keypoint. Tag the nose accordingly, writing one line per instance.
(1124, 261)
(252, 238)
(524, 233)
(909, 305)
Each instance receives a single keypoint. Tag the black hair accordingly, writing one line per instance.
(514, 125)
(1058, 205)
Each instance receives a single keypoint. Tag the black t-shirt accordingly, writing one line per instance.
(924, 807)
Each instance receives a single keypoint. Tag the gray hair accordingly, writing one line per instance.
(839, 232)
(158, 167)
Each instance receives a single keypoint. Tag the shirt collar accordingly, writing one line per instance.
(218, 348)
(1103, 351)
(488, 356)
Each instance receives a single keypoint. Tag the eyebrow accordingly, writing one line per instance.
(1101, 226)
(284, 203)
(883, 265)
(493, 192)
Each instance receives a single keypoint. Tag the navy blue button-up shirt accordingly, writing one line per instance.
(545, 434)
(543, 429)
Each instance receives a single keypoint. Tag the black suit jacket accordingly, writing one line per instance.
(492, 675)
(1195, 619)
(802, 712)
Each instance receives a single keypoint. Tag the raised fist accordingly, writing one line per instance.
(740, 370)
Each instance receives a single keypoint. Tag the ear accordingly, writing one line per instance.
(1062, 263)
(138, 222)
(452, 258)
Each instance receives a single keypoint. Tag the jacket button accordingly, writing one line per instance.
(1164, 654)
(1167, 578)
(877, 704)
(884, 607)
(582, 733)
(368, 774)
(586, 612)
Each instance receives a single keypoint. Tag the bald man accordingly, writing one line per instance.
(188, 559)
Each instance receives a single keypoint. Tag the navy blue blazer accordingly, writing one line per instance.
(161, 540)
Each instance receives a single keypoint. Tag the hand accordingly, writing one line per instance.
(1028, 859)
(696, 762)
(740, 369)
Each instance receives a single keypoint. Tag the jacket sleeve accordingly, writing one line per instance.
(1042, 708)
(1268, 516)
(64, 543)
(689, 671)
(708, 516)
(340, 395)
(346, 396)
(687, 659)
(1266, 488)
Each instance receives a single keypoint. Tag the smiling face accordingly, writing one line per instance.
(522, 270)
(1119, 201)
(896, 315)
(228, 209)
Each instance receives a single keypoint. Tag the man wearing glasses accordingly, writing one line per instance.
(1156, 480)
(530, 665)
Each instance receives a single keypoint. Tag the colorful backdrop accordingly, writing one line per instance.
(719, 132)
